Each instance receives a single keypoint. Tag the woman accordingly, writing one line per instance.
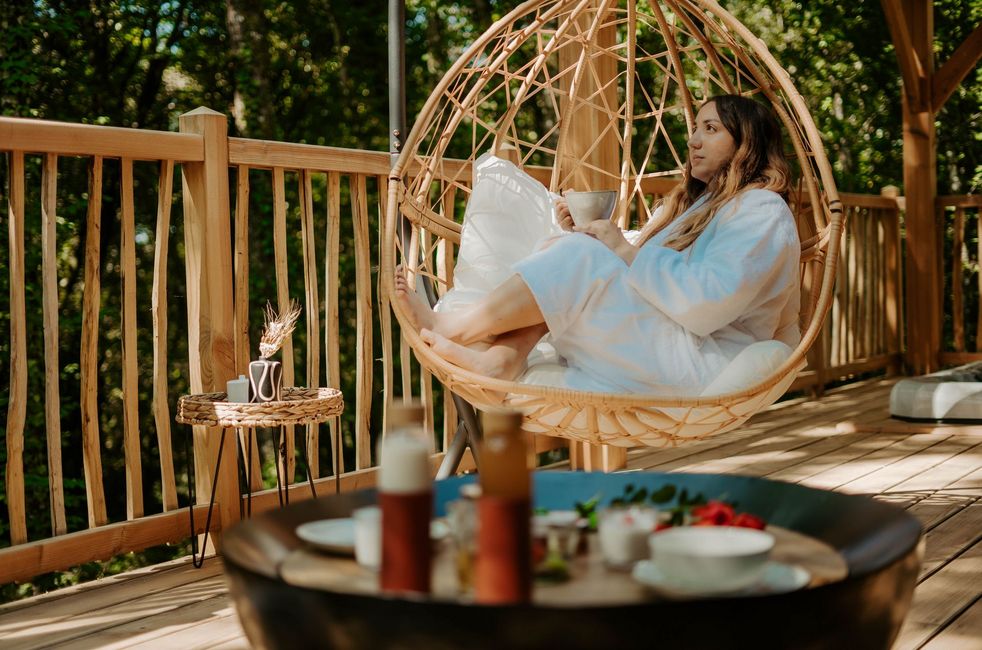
(715, 270)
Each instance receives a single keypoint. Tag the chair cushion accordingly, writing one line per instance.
(753, 363)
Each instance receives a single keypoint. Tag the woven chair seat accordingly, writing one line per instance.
(600, 94)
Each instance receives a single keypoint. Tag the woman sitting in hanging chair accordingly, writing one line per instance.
(660, 311)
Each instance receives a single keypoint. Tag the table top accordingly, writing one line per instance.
(298, 406)
(591, 583)
(332, 601)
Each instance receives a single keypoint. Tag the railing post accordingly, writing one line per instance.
(208, 259)
(894, 297)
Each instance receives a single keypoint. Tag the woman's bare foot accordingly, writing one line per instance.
(419, 310)
(497, 361)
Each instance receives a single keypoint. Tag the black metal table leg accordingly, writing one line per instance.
(198, 560)
(306, 462)
(280, 452)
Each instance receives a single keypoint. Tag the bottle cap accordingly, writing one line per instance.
(501, 421)
(403, 414)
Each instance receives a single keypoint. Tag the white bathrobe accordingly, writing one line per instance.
(671, 321)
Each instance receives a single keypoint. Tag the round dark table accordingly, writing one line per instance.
(879, 542)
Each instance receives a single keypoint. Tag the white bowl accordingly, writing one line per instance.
(585, 207)
(717, 557)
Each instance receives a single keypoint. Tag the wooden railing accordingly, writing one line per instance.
(324, 206)
(960, 259)
(863, 332)
(324, 203)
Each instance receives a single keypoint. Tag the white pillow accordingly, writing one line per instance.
(753, 363)
(507, 215)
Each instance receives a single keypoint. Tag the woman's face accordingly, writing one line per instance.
(710, 146)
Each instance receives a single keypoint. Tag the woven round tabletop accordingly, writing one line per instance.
(298, 406)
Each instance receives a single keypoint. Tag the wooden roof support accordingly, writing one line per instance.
(962, 61)
(911, 67)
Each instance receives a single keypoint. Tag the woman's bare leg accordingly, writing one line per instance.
(511, 306)
(505, 358)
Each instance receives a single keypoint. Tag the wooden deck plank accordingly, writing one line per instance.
(963, 634)
(765, 435)
(951, 538)
(219, 625)
(777, 417)
(840, 476)
(941, 599)
(828, 461)
(187, 626)
(947, 472)
(57, 606)
(934, 509)
(885, 478)
(98, 627)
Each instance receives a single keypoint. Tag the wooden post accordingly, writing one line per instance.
(912, 29)
(208, 253)
(590, 155)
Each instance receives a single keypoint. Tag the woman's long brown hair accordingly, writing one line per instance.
(757, 163)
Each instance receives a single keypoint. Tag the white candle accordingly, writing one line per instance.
(237, 390)
(405, 464)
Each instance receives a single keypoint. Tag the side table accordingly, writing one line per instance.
(299, 406)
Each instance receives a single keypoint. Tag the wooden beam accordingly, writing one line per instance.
(43, 136)
(962, 61)
(25, 561)
(911, 68)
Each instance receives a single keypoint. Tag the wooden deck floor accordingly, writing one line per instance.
(840, 442)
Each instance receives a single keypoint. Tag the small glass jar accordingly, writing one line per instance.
(462, 520)
(623, 533)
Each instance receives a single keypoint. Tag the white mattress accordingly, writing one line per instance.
(949, 395)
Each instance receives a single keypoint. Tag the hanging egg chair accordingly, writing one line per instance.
(600, 94)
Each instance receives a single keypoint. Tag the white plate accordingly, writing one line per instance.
(333, 535)
(777, 578)
(338, 535)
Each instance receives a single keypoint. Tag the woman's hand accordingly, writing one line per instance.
(611, 236)
(563, 216)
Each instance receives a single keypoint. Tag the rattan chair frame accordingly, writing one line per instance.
(586, 57)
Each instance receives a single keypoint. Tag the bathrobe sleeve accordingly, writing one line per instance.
(715, 281)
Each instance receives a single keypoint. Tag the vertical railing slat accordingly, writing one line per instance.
(332, 341)
(425, 377)
(49, 299)
(445, 269)
(241, 261)
(283, 300)
(312, 310)
(17, 404)
(893, 285)
(363, 288)
(385, 322)
(243, 355)
(158, 307)
(131, 406)
(957, 301)
(91, 301)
